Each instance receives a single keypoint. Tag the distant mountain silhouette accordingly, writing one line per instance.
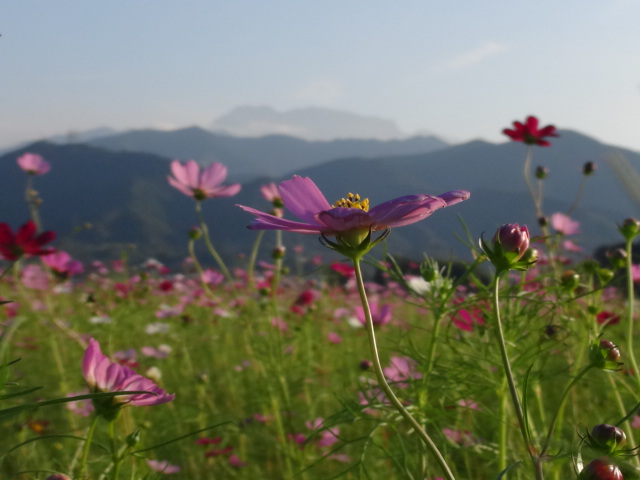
(250, 158)
(312, 123)
(126, 197)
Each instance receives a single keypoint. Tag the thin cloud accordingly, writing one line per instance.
(320, 92)
(476, 55)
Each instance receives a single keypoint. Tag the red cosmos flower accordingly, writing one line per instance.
(24, 242)
(529, 133)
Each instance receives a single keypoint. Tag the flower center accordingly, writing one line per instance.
(353, 201)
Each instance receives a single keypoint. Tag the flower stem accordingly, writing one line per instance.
(252, 259)
(431, 447)
(537, 202)
(630, 309)
(515, 400)
(212, 250)
(554, 420)
(87, 447)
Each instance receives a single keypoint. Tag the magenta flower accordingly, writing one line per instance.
(163, 466)
(201, 184)
(564, 224)
(33, 164)
(348, 218)
(62, 264)
(380, 314)
(529, 133)
(25, 241)
(400, 370)
(103, 375)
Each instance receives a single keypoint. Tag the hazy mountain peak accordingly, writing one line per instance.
(311, 123)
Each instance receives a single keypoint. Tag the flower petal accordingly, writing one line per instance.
(344, 219)
(266, 221)
(405, 210)
(303, 198)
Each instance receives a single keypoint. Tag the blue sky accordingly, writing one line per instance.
(460, 69)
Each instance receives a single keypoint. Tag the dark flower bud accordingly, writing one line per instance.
(589, 168)
(543, 221)
(601, 469)
(278, 252)
(133, 438)
(608, 437)
(570, 280)
(508, 246)
(513, 239)
(630, 228)
(365, 365)
(195, 233)
(605, 354)
(541, 172)
(617, 258)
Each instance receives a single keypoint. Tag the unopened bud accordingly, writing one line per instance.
(195, 233)
(605, 354)
(617, 258)
(601, 469)
(133, 438)
(570, 280)
(541, 172)
(589, 168)
(630, 228)
(278, 252)
(543, 221)
(608, 437)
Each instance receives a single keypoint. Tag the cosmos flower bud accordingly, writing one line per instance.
(195, 233)
(541, 172)
(133, 438)
(278, 252)
(589, 168)
(630, 228)
(570, 280)
(601, 469)
(605, 354)
(508, 246)
(608, 437)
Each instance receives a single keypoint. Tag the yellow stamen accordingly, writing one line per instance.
(353, 201)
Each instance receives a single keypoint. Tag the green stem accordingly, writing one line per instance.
(554, 420)
(537, 202)
(252, 259)
(535, 459)
(87, 447)
(198, 267)
(502, 442)
(630, 309)
(431, 447)
(277, 271)
(212, 250)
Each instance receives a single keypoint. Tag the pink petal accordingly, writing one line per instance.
(303, 198)
(213, 175)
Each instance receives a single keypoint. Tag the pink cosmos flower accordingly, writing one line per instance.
(62, 264)
(564, 224)
(103, 375)
(380, 314)
(529, 133)
(400, 370)
(201, 184)
(305, 200)
(25, 241)
(33, 164)
(34, 276)
(271, 194)
(163, 466)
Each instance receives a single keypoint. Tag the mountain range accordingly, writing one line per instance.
(125, 196)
